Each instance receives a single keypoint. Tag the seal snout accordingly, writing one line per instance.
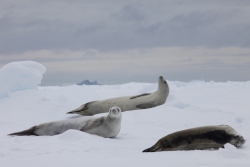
(115, 110)
(239, 141)
(162, 79)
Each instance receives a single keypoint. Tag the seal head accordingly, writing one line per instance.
(237, 141)
(115, 112)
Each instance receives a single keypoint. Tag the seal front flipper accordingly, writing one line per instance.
(146, 105)
(92, 124)
(144, 94)
(82, 108)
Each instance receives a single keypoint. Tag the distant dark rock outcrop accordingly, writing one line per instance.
(87, 82)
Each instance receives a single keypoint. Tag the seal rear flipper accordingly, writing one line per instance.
(147, 150)
(154, 148)
(28, 132)
(82, 109)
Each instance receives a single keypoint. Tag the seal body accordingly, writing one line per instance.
(126, 103)
(106, 126)
(206, 137)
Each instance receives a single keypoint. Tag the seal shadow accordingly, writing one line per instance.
(75, 116)
(117, 138)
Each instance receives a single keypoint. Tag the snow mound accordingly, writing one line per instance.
(18, 76)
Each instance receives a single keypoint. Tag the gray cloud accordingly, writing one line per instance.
(123, 41)
(82, 25)
(129, 13)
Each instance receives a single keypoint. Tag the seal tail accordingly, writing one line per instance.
(154, 148)
(28, 132)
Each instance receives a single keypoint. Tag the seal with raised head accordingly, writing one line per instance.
(126, 103)
(107, 126)
(200, 138)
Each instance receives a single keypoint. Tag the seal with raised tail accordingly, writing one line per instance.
(200, 138)
(107, 126)
(127, 103)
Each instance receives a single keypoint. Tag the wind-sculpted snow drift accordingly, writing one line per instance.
(17, 76)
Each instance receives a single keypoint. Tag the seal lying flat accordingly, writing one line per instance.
(126, 103)
(106, 126)
(199, 138)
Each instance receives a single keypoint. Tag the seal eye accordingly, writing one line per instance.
(165, 82)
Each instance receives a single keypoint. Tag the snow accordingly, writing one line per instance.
(18, 76)
(191, 104)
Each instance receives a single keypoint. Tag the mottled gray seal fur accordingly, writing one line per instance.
(106, 126)
(206, 137)
(126, 103)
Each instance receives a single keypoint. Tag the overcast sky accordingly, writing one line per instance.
(117, 41)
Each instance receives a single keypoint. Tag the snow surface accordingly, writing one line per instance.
(17, 76)
(189, 105)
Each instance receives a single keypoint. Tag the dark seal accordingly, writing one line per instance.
(200, 138)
